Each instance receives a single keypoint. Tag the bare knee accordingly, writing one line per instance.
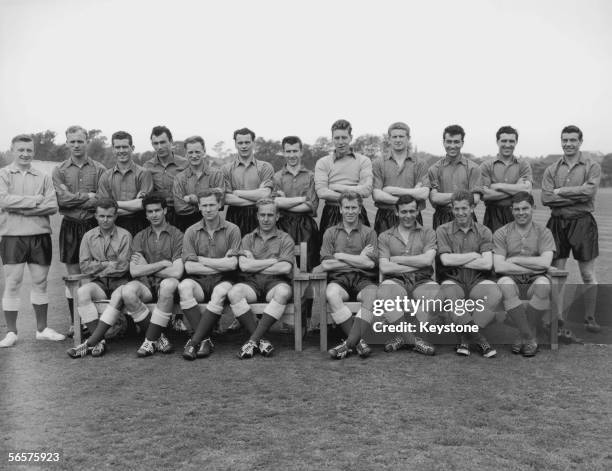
(168, 287)
(235, 294)
(185, 289)
(282, 293)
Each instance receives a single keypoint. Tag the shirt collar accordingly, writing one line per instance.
(498, 158)
(14, 169)
(132, 167)
(239, 161)
(396, 232)
(70, 161)
(99, 232)
(563, 160)
(205, 169)
(410, 156)
(273, 233)
(350, 153)
(221, 224)
(456, 228)
(340, 226)
(461, 160)
(285, 169)
(165, 228)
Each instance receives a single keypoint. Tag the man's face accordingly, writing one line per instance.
(407, 214)
(195, 153)
(506, 144)
(155, 214)
(570, 142)
(122, 150)
(453, 144)
(267, 217)
(209, 207)
(106, 218)
(162, 145)
(292, 154)
(462, 211)
(244, 145)
(23, 153)
(342, 141)
(399, 140)
(522, 212)
(350, 210)
(77, 144)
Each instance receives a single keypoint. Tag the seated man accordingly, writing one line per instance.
(523, 253)
(348, 255)
(104, 255)
(210, 248)
(156, 267)
(466, 259)
(406, 254)
(266, 262)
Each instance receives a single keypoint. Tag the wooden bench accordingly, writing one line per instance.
(300, 282)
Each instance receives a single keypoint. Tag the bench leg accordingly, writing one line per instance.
(297, 315)
(319, 305)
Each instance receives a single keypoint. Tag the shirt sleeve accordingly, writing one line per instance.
(383, 246)
(87, 263)
(445, 245)
(178, 192)
(327, 245)
(226, 170)
(266, 175)
(421, 173)
(590, 185)
(429, 240)
(364, 188)
(378, 174)
(474, 178)
(525, 172)
(321, 175)
(234, 241)
(65, 198)
(546, 242)
(123, 256)
(287, 249)
(137, 246)
(104, 187)
(311, 195)
(486, 240)
(432, 177)
(145, 183)
(177, 245)
(372, 239)
(485, 174)
(189, 252)
(499, 242)
(8, 200)
(217, 180)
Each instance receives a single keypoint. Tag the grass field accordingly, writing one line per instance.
(303, 411)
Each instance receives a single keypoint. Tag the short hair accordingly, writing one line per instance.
(405, 199)
(399, 125)
(216, 192)
(291, 140)
(342, 125)
(243, 131)
(107, 203)
(453, 130)
(463, 195)
(350, 196)
(266, 202)
(159, 130)
(194, 140)
(154, 198)
(506, 130)
(22, 138)
(121, 135)
(75, 129)
(523, 196)
(572, 128)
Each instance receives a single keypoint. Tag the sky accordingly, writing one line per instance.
(287, 67)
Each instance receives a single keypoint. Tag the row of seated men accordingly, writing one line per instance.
(219, 267)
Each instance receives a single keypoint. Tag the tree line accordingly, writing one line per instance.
(270, 150)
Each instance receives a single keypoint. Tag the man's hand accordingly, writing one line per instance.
(367, 250)
(39, 199)
(138, 259)
(280, 194)
(91, 195)
(141, 194)
(248, 254)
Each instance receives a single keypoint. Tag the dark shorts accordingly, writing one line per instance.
(578, 235)
(387, 219)
(303, 228)
(444, 214)
(185, 221)
(331, 216)
(466, 278)
(133, 223)
(496, 216)
(262, 284)
(245, 217)
(208, 282)
(34, 249)
(109, 284)
(351, 282)
(71, 233)
(525, 281)
(410, 281)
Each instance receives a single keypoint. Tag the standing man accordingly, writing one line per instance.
(76, 183)
(28, 198)
(197, 177)
(247, 180)
(265, 262)
(503, 177)
(349, 254)
(397, 174)
(465, 248)
(297, 200)
(342, 170)
(126, 183)
(568, 188)
(210, 251)
(105, 256)
(523, 253)
(164, 167)
(452, 173)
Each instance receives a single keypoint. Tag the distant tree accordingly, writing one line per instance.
(321, 148)
(270, 151)
(221, 151)
(370, 145)
(45, 146)
(606, 170)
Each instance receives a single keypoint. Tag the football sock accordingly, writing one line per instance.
(204, 327)
(263, 325)
(40, 310)
(247, 320)
(11, 320)
(519, 317)
(71, 309)
(193, 316)
(98, 333)
(346, 326)
(153, 332)
(357, 332)
(143, 325)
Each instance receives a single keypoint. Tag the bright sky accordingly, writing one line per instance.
(287, 67)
